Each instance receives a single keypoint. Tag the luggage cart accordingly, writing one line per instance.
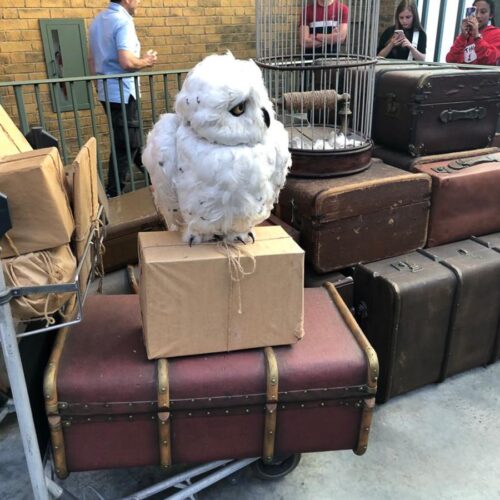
(43, 486)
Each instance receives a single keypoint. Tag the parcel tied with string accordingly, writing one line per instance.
(215, 298)
(47, 267)
(35, 185)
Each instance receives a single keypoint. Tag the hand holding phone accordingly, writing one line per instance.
(470, 12)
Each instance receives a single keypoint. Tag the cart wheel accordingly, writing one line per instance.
(277, 469)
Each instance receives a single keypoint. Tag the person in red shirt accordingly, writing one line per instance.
(323, 27)
(478, 42)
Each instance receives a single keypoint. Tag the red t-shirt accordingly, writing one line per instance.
(320, 21)
(485, 50)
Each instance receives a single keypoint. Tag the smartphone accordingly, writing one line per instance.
(470, 11)
(399, 32)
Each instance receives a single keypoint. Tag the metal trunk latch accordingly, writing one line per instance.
(271, 405)
(164, 414)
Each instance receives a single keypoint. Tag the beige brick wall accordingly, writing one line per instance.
(182, 31)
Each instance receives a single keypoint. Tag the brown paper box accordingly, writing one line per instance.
(12, 141)
(129, 214)
(190, 304)
(34, 183)
(85, 204)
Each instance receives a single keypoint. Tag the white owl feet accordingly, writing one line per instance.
(243, 238)
(195, 239)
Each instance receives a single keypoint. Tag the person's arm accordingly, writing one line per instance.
(417, 55)
(306, 39)
(456, 53)
(392, 41)
(337, 36)
(486, 46)
(129, 62)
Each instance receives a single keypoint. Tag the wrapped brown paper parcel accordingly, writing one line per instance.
(12, 141)
(85, 204)
(47, 267)
(190, 303)
(34, 183)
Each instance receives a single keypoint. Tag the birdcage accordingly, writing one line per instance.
(318, 60)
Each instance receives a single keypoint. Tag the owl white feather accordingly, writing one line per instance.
(217, 165)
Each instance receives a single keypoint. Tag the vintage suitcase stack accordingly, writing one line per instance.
(465, 198)
(377, 213)
(430, 314)
(435, 109)
(109, 406)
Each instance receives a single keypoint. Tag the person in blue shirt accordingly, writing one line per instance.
(114, 48)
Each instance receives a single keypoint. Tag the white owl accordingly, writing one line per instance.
(218, 164)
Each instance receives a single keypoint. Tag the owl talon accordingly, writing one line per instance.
(240, 239)
(191, 241)
(217, 237)
(251, 236)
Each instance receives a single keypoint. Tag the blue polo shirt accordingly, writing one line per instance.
(112, 30)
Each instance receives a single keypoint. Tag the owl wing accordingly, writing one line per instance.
(278, 138)
(160, 159)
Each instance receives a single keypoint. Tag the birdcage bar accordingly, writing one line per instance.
(320, 82)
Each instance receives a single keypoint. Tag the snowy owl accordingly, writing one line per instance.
(218, 164)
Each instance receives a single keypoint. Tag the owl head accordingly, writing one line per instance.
(224, 101)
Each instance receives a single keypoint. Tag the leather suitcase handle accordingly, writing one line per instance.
(472, 162)
(453, 115)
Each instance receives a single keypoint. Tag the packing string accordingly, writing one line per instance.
(236, 273)
(12, 244)
(10, 271)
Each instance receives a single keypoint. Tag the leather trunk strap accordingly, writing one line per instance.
(271, 405)
(164, 414)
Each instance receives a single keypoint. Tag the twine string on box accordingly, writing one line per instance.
(237, 272)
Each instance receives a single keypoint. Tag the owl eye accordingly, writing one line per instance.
(239, 109)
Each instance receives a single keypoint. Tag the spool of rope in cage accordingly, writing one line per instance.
(313, 99)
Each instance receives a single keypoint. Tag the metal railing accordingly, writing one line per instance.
(39, 103)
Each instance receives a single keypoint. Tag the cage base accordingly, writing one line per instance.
(324, 164)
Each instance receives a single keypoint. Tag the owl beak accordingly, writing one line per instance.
(267, 118)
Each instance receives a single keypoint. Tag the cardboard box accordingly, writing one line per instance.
(191, 305)
(34, 183)
(12, 141)
(129, 214)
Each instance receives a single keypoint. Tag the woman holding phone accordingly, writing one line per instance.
(479, 39)
(406, 39)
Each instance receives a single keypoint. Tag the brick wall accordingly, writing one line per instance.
(182, 31)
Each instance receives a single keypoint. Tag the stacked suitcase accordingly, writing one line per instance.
(112, 407)
(435, 312)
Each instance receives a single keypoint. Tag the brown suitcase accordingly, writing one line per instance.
(369, 216)
(430, 314)
(108, 406)
(475, 322)
(403, 305)
(428, 111)
(129, 214)
(407, 162)
(492, 241)
(465, 197)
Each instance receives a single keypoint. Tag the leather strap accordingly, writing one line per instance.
(271, 405)
(164, 414)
